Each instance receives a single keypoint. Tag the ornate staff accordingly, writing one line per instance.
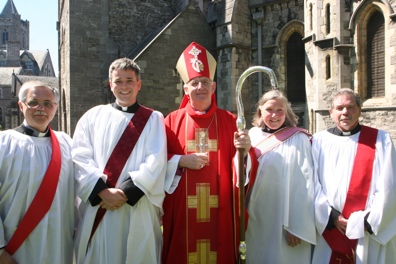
(241, 124)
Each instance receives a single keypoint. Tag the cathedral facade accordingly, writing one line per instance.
(313, 47)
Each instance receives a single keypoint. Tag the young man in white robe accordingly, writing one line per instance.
(26, 154)
(129, 231)
(371, 228)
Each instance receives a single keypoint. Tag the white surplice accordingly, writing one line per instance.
(23, 162)
(282, 199)
(130, 234)
(333, 161)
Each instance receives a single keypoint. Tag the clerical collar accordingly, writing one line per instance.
(208, 113)
(200, 112)
(269, 130)
(129, 109)
(28, 130)
(337, 132)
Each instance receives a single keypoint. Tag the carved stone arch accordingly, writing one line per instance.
(297, 94)
(361, 10)
(281, 44)
(358, 25)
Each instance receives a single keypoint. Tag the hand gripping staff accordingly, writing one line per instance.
(241, 124)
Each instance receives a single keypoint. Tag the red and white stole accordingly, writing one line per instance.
(42, 201)
(271, 142)
(121, 153)
(359, 186)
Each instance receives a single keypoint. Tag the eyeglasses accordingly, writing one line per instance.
(34, 104)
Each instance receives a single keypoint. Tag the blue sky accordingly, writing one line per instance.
(42, 16)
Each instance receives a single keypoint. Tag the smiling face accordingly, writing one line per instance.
(345, 112)
(125, 86)
(200, 90)
(39, 108)
(273, 113)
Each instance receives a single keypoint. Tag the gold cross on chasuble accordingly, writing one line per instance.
(203, 201)
(203, 254)
(193, 145)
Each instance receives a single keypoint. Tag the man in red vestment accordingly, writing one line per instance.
(199, 214)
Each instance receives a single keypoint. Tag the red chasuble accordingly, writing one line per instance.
(199, 225)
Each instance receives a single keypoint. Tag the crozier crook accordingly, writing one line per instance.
(241, 124)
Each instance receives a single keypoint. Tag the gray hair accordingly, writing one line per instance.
(344, 91)
(291, 118)
(31, 84)
(124, 64)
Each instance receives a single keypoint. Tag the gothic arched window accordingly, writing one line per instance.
(328, 67)
(5, 37)
(328, 19)
(295, 68)
(376, 55)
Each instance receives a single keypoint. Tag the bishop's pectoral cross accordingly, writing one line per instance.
(201, 143)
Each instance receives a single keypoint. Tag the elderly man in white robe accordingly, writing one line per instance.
(355, 204)
(36, 184)
(120, 155)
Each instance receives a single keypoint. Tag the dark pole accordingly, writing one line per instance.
(241, 124)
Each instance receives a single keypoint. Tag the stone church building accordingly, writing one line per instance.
(314, 48)
(18, 64)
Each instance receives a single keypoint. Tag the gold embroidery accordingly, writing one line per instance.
(192, 145)
(203, 254)
(203, 201)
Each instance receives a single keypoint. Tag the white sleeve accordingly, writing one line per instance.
(172, 179)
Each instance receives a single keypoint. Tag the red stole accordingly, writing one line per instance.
(121, 153)
(359, 186)
(42, 201)
(198, 223)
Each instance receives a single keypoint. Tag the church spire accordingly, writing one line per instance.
(8, 10)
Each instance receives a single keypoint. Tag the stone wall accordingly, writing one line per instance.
(86, 53)
(131, 21)
(233, 41)
(5, 105)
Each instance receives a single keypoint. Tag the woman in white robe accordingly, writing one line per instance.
(280, 202)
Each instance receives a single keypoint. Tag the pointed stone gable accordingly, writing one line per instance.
(8, 10)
